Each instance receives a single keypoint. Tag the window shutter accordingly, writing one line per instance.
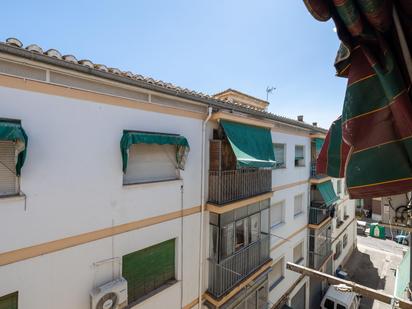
(148, 269)
(298, 252)
(277, 271)
(276, 214)
(151, 162)
(9, 301)
(298, 204)
(280, 154)
(8, 178)
(299, 152)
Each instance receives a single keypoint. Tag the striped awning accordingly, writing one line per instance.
(371, 143)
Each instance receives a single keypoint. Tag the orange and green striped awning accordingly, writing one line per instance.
(371, 143)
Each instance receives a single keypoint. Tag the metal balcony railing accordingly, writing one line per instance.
(313, 173)
(226, 274)
(229, 186)
(316, 259)
(318, 213)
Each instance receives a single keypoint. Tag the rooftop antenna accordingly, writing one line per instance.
(269, 90)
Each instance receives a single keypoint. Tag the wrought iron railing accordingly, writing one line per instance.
(318, 213)
(314, 173)
(229, 186)
(317, 258)
(226, 274)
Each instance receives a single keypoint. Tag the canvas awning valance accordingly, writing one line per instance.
(132, 137)
(327, 192)
(11, 130)
(251, 145)
(371, 143)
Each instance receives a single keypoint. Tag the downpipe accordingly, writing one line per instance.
(202, 201)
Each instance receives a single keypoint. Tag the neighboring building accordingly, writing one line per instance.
(332, 224)
(117, 170)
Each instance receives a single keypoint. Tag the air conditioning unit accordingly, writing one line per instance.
(112, 295)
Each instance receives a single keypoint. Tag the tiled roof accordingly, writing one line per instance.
(60, 59)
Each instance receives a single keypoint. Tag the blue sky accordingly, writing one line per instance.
(206, 46)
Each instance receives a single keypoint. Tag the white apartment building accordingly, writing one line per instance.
(119, 191)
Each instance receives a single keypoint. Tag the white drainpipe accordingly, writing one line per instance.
(202, 201)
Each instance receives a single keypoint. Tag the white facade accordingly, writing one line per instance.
(74, 219)
(289, 182)
(345, 213)
(72, 184)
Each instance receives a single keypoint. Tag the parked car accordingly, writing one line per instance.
(337, 298)
(402, 239)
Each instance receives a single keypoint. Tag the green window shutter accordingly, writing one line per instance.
(9, 301)
(148, 269)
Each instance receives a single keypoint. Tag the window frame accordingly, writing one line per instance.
(339, 186)
(126, 182)
(282, 273)
(284, 164)
(295, 214)
(282, 219)
(300, 162)
(302, 257)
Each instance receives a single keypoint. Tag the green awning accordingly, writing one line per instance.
(11, 130)
(252, 145)
(319, 143)
(327, 192)
(132, 137)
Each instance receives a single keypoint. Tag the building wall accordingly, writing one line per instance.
(348, 227)
(287, 183)
(72, 182)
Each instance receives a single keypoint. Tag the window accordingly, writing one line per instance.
(241, 229)
(9, 301)
(150, 163)
(339, 306)
(277, 214)
(298, 204)
(8, 160)
(339, 186)
(359, 203)
(298, 253)
(329, 304)
(236, 229)
(277, 274)
(149, 269)
(345, 240)
(299, 155)
(280, 155)
(338, 250)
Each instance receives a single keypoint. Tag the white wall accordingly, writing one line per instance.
(73, 182)
(294, 228)
(291, 174)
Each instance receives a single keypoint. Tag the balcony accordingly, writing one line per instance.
(318, 213)
(316, 259)
(313, 172)
(226, 274)
(232, 185)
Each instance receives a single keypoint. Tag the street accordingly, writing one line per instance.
(374, 265)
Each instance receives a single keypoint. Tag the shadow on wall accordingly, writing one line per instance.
(361, 270)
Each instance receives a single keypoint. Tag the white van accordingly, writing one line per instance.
(337, 299)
